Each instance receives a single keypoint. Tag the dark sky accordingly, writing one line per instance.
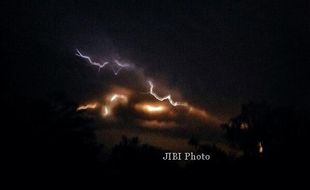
(219, 54)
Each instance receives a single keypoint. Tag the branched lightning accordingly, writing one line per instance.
(112, 101)
(119, 66)
(79, 54)
(168, 97)
(116, 69)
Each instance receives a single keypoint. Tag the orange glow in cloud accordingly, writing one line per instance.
(151, 108)
(159, 114)
(105, 111)
(199, 112)
(158, 124)
(112, 101)
(87, 106)
(203, 115)
(119, 97)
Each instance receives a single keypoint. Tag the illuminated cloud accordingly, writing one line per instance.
(118, 98)
(105, 111)
(113, 101)
(158, 124)
(149, 112)
(87, 106)
(203, 115)
(151, 108)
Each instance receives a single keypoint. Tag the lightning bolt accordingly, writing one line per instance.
(119, 99)
(168, 97)
(100, 66)
(119, 65)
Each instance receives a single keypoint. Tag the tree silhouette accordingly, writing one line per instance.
(194, 142)
(264, 132)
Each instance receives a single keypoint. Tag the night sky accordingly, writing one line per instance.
(239, 68)
(217, 54)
